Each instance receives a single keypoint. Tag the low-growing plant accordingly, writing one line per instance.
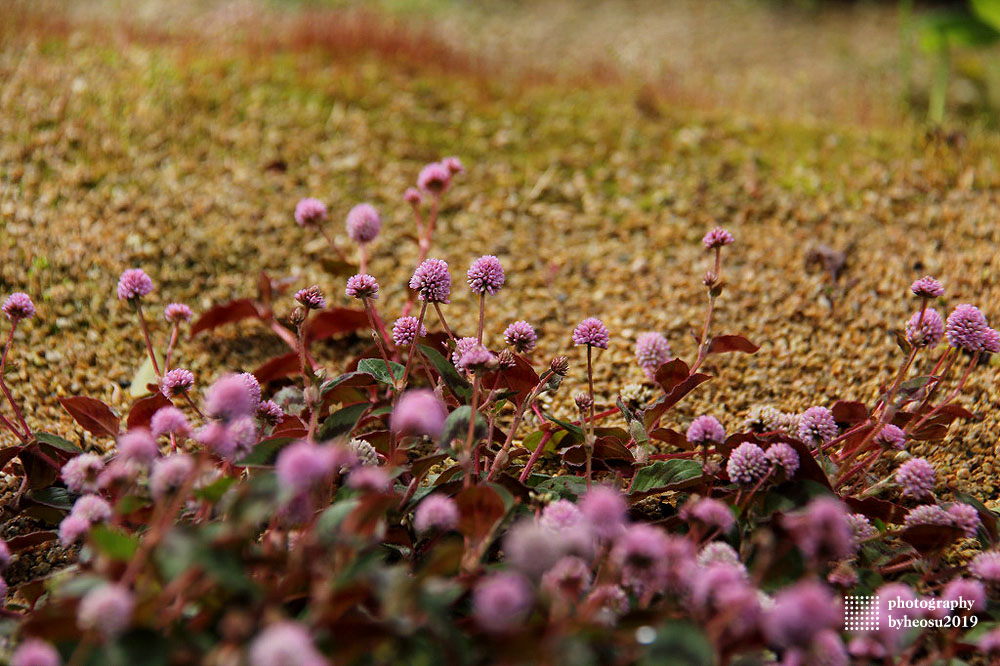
(399, 513)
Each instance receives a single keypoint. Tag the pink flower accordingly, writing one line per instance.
(966, 327)
(783, 456)
(169, 474)
(18, 306)
(412, 196)
(419, 412)
(139, 446)
(476, 359)
(269, 412)
(991, 341)
(747, 464)
(284, 643)
(591, 331)
(717, 237)
(891, 437)
(107, 610)
(927, 287)
(967, 590)
(92, 508)
(432, 281)
(229, 398)
(710, 512)
(134, 284)
(302, 465)
(486, 275)
(453, 164)
(405, 331)
(986, 567)
(81, 472)
(817, 426)
(310, 212)
(604, 509)
(823, 530)
(374, 479)
(705, 430)
(501, 601)
(925, 329)
(176, 382)
(363, 223)
(311, 298)
(362, 286)
(800, 613)
(917, 478)
(34, 652)
(651, 351)
(560, 515)
(177, 312)
(72, 529)
(434, 178)
(252, 385)
(570, 577)
(521, 336)
(436, 512)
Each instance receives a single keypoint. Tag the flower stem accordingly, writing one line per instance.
(145, 335)
(437, 308)
(413, 345)
(482, 317)
(378, 337)
(6, 390)
(472, 430)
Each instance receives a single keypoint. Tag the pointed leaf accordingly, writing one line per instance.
(849, 413)
(665, 402)
(672, 373)
(227, 313)
(456, 426)
(480, 509)
(328, 323)
(662, 474)
(342, 421)
(456, 382)
(95, 416)
(377, 368)
(724, 344)
(278, 367)
(113, 542)
(142, 410)
(57, 442)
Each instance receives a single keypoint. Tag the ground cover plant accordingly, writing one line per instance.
(636, 484)
(397, 512)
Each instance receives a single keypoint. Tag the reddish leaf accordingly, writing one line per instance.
(481, 508)
(959, 412)
(724, 344)
(8, 453)
(278, 367)
(25, 541)
(521, 379)
(227, 313)
(672, 373)
(873, 507)
(365, 518)
(290, 426)
(327, 323)
(849, 413)
(931, 538)
(930, 432)
(660, 406)
(609, 453)
(265, 292)
(142, 410)
(92, 414)
(671, 437)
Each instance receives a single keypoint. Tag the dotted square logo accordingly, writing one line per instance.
(861, 613)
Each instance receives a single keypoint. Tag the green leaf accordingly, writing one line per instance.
(59, 498)
(114, 543)
(58, 442)
(456, 426)
(342, 421)
(679, 643)
(376, 367)
(532, 441)
(945, 29)
(664, 473)
(214, 491)
(567, 487)
(456, 382)
(565, 425)
(143, 376)
(265, 452)
(329, 521)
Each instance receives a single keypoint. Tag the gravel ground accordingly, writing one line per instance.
(187, 157)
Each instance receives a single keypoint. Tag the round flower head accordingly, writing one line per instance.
(965, 327)
(706, 429)
(916, 477)
(176, 382)
(301, 465)
(783, 456)
(133, 284)
(310, 212)
(71, 529)
(18, 306)
(965, 517)
(986, 567)
(462, 345)
(604, 508)
(107, 610)
(419, 412)
(560, 515)
(927, 287)
(486, 275)
(432, 281)
(817, 426)
(476, 359)
(311, 298)
(531, 548)
(92, 508)
(800, 613)
(252, 385)
(717, 237)
(651, 351)
(569, 577)
(823, 530)
(363, 223)
(364, 452)
(407, 329)
(284, 643)
(927, 514)
(891, 437)
(968, 590)
(501, 601)
(591, 331)
(34, 652)
(453, 164)
(412, 196)
(374, 479)
(718, 552)
(269, 412)
(521, 336)
(764, 418)
(991, 341)
(747, 464)
(861, 527)
(139, 446)
(434, 178)
(710, 512)
(244, 433)
(81, 472)
(169, 474)
(4, 555)
(229, 398)
(926, 329)
(436, 512)
(362, 286)
(989, 643)
(217, 438)
(176, 313)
